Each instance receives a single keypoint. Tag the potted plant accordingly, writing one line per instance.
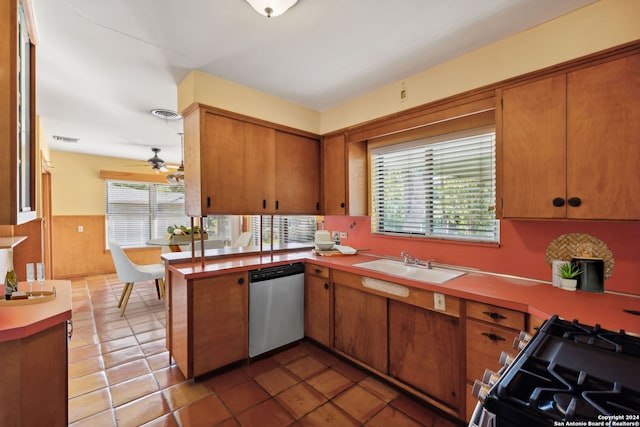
(182, 234)
(569, 273)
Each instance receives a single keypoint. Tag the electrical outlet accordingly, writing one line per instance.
(438, 302)
(335, 236)
(344, 235)
(403, 92)
(80, 229)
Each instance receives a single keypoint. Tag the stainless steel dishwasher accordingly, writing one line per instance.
(276, 307)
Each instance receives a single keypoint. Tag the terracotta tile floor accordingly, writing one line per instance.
(119, 375)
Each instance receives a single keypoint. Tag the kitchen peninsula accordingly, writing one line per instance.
(33, 344)
(217, 295)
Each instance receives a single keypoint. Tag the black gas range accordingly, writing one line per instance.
(568, 374)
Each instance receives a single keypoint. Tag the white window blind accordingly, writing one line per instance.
(286, 229)
(441, 187)
(138, 211)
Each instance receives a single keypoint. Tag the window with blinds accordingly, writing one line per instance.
(440, 187)
(139, 211)
(286, 229)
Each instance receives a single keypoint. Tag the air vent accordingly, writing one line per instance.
(66, 139)
(166, 114)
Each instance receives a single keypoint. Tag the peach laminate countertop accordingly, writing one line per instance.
(536, 298)
(21, 321)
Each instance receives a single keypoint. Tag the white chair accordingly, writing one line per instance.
(129, 273)
(243, 240)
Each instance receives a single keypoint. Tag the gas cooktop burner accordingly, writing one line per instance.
(619, 342)
(568, 372)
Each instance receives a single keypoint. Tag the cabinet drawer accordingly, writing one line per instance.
(534, 323)
(317, 270)
(485, 343)
(496, 315)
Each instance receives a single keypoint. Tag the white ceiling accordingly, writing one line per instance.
(103, 65)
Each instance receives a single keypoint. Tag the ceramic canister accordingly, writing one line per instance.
(591, 278)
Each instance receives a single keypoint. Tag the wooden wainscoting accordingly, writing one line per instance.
(84, 253)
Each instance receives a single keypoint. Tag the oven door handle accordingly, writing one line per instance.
(493, 337)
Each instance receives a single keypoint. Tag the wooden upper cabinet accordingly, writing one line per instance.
(603, 145)
(334, 175)
(533, 149)
(234, 166)
(569, 144)
(297, 174)
(344, 176)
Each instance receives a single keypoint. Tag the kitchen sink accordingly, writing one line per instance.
(400, 269)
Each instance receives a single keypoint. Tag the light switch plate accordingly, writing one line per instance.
(439, 302)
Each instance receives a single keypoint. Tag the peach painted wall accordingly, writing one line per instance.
(521, 252)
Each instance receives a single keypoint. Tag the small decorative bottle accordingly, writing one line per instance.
(11, 278)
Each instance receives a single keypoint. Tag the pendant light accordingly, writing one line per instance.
(177, 177)
(271, 8)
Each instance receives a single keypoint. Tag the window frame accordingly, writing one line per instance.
(149, 219)
(427, 221)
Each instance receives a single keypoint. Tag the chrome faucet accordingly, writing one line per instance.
(409, 259)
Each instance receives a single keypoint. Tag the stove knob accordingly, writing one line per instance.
(490, 377)
(519, 344)
(521, 341)
(506, 359)
(525, 336)
(480, 390)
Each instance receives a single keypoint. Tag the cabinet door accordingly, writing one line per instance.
(258, 182)
(603, 124)
(317, 320)
(220, 322)
(237, 164)
(344, 182)
(426, 350)
(360, 326)
(334, 175)
(297, 174)
(533, 136)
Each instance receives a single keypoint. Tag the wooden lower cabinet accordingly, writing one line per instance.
(360, 326)
(34, 384)
(426, 351)
(209, 322)
(317, 304)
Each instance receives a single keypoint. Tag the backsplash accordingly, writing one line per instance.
(522, 249)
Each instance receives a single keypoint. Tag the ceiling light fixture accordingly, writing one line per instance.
(271, 8)
(177, 177)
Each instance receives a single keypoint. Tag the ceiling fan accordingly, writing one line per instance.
(157, 164)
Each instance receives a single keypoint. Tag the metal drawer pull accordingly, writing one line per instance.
(494, 315)
(493, 337)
